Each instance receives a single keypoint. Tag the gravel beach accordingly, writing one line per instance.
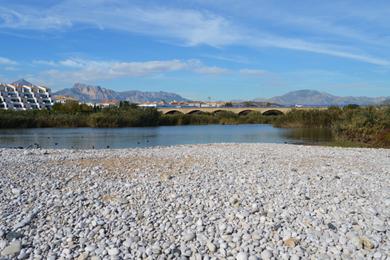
(217, 201)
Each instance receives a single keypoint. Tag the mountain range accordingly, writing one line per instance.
(307, 97)
(316, 98)
(88, 93)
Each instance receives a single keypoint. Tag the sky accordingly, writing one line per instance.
(219, 50)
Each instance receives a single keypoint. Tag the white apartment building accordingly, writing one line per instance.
(23, 97)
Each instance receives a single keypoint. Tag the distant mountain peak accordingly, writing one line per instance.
(89, 93)
(22, 82)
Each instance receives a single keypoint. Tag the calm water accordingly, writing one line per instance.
(86, 138)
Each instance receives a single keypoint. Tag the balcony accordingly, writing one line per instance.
(18, 106)
(27, 95)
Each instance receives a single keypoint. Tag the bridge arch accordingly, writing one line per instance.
(226, 112)
(196, 111)
(246, 112)
(218, 111)
(173, 112)
(272, 112)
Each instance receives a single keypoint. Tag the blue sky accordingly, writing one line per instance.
(219, 49)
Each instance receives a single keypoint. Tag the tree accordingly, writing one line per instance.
(351, 106)
(126, 104)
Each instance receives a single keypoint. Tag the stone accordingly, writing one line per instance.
(242, 256)
(290, 242)
(13, 235)
(266, 254)
(366, 243)
(3, 243)
(294, 257)
(156, 249)
(331, 226)
(356, 241)
(90, 248)
(212, 248)
(83, 256)
(16, 191)
(113, 251)
(188, 236)
(12, 249)
(379, 225)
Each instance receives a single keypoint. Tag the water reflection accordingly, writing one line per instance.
(309, 135)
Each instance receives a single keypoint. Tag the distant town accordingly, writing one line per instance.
(22, 95)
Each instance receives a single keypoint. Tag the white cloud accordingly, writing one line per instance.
(211, 70)
(74, 69)
(6, 61)
(90, 70)
(190, 26)
(31, 18)
(44, 62)
(301, 45)
(253, 72)
(186, 26)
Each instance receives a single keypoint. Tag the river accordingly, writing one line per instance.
(98, 138)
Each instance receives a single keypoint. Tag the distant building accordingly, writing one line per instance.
(24, 97)
(213, 104)
(64, 99)
(148, 104)
(107, 103)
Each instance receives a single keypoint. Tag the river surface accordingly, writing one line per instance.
(98, 138)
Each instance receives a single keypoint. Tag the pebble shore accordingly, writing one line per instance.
(217, 201)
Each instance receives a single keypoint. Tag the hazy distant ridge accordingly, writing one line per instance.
(88, 93)
(313, 97)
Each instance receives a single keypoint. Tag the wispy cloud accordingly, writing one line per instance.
(229, 58)
(301, 45)
(211, 70)
(74, 69)
(253, 72)
(6, 61)
(45, 62)
(196, 26)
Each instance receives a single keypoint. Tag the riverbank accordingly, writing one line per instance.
(221, 200)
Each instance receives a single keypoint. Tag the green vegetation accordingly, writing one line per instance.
(351, 125)
(222, 117)
(72, 114)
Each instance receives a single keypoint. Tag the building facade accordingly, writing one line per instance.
(23, 97)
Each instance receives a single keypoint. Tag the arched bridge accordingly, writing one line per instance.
(236, 110)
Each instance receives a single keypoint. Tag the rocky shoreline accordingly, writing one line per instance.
(218, 201)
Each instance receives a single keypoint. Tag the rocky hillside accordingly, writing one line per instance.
(89, 93)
